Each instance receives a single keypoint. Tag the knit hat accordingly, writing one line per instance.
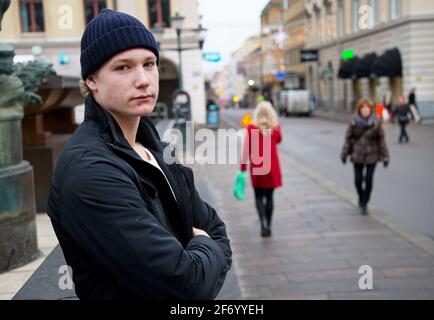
(110, 33)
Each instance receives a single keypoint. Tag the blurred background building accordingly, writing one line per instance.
(370, 48)
(294, 20)
(52, 29)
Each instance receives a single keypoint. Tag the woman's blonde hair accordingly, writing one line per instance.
(265, 117)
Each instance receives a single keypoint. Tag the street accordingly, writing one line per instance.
(404, 190)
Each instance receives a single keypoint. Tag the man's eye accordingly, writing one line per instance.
(121, 68)
(149, 64)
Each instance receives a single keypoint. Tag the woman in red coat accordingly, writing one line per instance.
(261, 154)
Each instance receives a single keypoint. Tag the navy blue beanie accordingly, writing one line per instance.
(110, 33)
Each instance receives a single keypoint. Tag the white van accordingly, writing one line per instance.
(295, 102)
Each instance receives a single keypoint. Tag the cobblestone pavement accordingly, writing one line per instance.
(319, 242)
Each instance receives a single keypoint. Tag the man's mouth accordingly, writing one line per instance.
(143, 97)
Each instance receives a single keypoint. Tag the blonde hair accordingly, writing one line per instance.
(84, 89)
(265, 117)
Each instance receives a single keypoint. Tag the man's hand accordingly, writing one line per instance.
(199, 232)
(386, 163)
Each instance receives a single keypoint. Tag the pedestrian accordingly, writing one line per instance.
(403, 116)
(387, 100)
(413, 106)
(365, 144)
(261, 154)
(412, 98)
(130, 225)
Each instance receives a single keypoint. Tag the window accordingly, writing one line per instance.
(92, 8)
(341, 18)
(285, 4)
(374, 12)
(355, 15)
(159, 13)
(32, 16)
(395, 9)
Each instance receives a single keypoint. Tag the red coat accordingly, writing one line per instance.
(264, 167)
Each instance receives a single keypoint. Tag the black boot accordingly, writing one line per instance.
(363, 204)
(268, 224)
(265, 230)
(364, 209)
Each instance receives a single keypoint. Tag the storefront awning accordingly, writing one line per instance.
(363, 67)
(346, 70)
(389, 64)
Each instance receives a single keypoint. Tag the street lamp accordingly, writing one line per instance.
(177, 22)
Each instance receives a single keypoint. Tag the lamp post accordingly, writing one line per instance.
(177, 22)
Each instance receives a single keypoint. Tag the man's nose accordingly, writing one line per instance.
(141, 78)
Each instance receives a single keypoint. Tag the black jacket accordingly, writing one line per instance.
(119, 225)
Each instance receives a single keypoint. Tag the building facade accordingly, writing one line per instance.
(245, 70)
(51, 30)
(378, 49)
(273, 40)
(295, 27)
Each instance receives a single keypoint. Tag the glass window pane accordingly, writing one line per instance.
(166, 12)
(39, 17)
(25, 17)
(88, 11)
(374, 12)
(355, 16)
(102, 5)
(152, 8)
(395, 9)
(341, 19)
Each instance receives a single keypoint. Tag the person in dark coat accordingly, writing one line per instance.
(403, 116)
(128, 218)
(261, 154)
(412, 98)
(365, 144)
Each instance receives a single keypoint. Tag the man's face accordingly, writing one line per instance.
(127, 84)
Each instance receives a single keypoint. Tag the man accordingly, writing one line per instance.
(130, 225)
(413, 105)
(403, 116)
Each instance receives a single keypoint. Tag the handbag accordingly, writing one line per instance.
(239, 186)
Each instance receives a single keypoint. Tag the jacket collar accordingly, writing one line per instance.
(147, 135)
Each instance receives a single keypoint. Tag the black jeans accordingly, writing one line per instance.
(403, 135)
(367, 178)
(264, 204)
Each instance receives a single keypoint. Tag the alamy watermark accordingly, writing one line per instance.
(222, 146)
(366, 281)
(66, 18)
(366, 17)
(65, 281)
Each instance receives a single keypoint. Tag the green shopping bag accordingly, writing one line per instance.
(239, 185)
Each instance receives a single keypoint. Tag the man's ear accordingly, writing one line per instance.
(91, 83)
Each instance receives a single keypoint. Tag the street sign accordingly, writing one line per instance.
(246, 120)
(348, 54)
(280, 75)
(309, 55)
(212, 56)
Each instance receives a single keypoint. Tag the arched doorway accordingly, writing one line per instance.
(169, 79)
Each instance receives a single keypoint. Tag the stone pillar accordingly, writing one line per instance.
(18, 241)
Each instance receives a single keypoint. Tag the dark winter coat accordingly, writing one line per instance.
(123, 232)
(403, 113)
(254, 146)
(365, 145)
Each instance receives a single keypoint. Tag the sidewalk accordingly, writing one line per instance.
(319, 242)
(12, 281)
